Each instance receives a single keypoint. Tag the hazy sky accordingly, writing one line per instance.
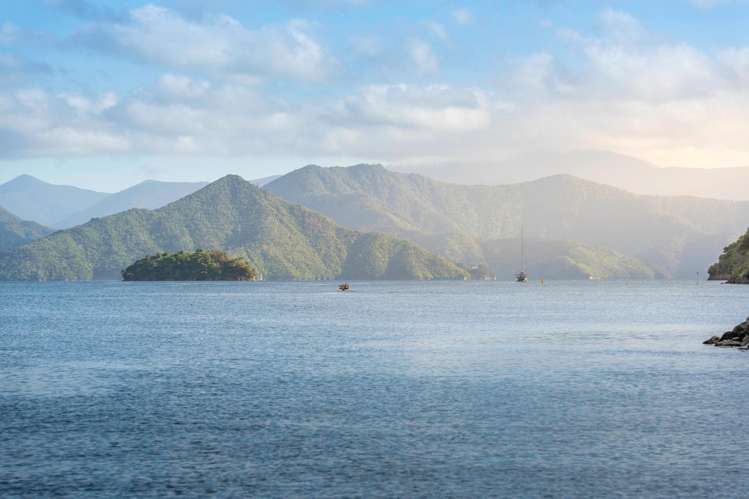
(107, 93)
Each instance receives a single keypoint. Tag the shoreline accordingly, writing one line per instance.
(738, 338)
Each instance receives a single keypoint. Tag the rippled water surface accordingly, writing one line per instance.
(585, 389)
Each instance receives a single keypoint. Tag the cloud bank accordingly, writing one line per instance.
(618, 87)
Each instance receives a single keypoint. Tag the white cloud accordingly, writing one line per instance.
(437, 29)
(14, 70)
(220, 43)
(8, 33)
(709, 4)
(462, 16)
(179, 115)
(178, 86)
(86, 105)
(330, 3)
(369, 46)
(627, 90)
(623, 61)
(736, 63)
(431, 108)
(621, 26)
(83, 9)
(59, 125)
(422, 56)
(535, 75)
(617, 87)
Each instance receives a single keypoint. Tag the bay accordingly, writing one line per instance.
(584, 389)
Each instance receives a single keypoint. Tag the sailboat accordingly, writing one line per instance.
(522, 276)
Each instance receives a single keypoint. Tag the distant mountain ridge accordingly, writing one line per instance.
(617, 170)
(149, 195)
(280, 240)
(15, 232)
(62, 206)
(675, 236)
(32, 199)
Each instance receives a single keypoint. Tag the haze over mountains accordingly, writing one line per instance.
(674, 236)
(625, 172)
(574, 228)
(62, 206)
(282, 241)
(31, 199)
(149, 195)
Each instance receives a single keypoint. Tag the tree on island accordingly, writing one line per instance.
(198, 265)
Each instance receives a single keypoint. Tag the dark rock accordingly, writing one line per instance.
(728, 343)
(738, 336)
(728, 335)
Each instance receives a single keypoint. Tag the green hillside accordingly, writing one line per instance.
(278, 239)
(15, 232)
(676, 236)
(733, 264)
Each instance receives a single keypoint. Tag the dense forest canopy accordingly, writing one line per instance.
(190, 266)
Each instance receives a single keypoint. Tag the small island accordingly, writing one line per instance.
(198, 265)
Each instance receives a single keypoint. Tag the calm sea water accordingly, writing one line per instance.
(585, 389)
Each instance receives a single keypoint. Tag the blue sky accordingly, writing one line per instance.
(108, 93)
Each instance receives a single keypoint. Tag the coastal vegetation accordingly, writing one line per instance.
(279, 240)
(15, 232)
(190, 266)
(733, 264)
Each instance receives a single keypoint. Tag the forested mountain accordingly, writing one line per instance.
(280, 240)
(150, 195)
(733, 264)
(32, 199)
(15, 232)
(674, 236)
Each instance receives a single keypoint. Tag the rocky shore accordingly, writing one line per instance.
(737, 337)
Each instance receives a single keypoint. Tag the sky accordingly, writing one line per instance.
(104, 93)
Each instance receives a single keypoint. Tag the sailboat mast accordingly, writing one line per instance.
(522, 276)
(522, 248)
